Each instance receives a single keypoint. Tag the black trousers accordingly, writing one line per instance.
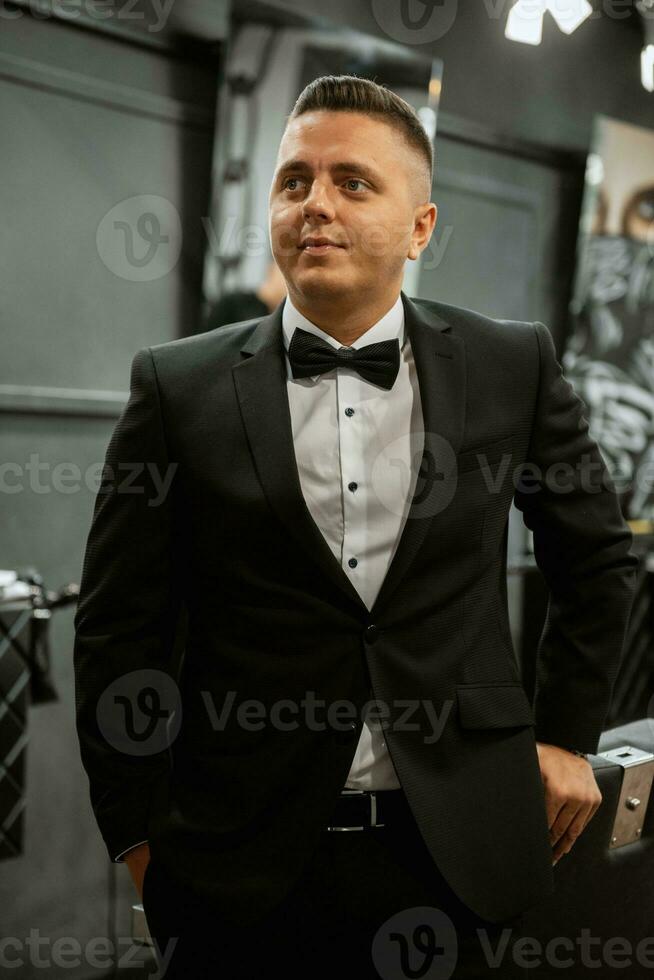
(369, 904)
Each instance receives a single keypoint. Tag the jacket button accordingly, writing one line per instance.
(371, 633)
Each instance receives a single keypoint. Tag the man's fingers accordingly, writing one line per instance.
(564, 819)
(563, 836)
(559, 808)
(572, 795)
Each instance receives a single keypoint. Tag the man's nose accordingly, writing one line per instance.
(318, 202)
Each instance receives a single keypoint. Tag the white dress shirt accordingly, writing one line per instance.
(358, 472)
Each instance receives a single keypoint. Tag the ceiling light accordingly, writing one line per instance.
(525, 20)
(647, 67)
(646, 10)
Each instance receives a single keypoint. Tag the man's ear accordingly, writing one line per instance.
(424, 224)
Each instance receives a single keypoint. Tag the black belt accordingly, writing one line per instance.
(363, 809)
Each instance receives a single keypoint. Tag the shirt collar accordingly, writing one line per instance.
(389, 327)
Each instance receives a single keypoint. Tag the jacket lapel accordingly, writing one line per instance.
(439, 357)
(260, 381)
(261, 388)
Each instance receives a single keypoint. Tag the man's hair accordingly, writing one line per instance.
(349, 93)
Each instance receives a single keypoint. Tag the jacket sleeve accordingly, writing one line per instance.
(582, 547)
(125, 619)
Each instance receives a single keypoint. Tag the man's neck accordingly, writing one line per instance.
(348, 325)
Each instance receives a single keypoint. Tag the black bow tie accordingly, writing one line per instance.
(378, 363)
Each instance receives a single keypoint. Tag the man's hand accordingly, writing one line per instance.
(137, 860)
(571, 795)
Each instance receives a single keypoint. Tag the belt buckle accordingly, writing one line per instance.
(371, 794)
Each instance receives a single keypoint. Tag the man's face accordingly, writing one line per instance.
(353, 180)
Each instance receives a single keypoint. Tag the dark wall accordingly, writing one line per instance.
(546, 93)
(87, 122)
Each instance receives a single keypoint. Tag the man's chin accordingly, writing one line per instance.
(316, 284)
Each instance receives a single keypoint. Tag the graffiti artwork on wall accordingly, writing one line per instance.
(609, 357)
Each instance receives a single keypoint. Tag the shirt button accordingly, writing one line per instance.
(349, 412)
(371, 633)
(353, 563)
(352, 486)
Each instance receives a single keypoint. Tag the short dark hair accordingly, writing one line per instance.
(349, 93)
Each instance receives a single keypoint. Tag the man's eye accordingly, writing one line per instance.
(350, 180)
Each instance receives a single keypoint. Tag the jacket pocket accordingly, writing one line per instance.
(485, 455)
(493, 706)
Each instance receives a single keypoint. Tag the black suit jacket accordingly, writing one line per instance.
(232, 553)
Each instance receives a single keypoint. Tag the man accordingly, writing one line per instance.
(321, 497)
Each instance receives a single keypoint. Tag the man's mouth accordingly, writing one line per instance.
(318, 246)
(319, 249)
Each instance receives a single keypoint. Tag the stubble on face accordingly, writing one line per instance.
(376, 220)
